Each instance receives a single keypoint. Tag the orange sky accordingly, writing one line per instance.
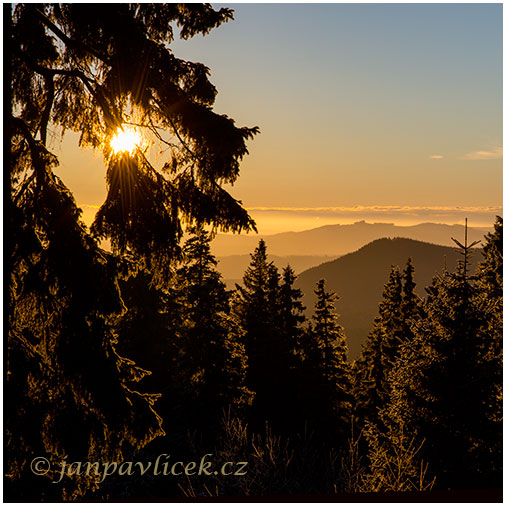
(382, 112)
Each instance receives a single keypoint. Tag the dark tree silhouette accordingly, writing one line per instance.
(269, 311)
(147, 331)
(328, 389)
(254, 308)
(291, 316)
(95, 69)
(73, 67)
(213, 357)
(398, 309)
(445, 387)
(491, 267)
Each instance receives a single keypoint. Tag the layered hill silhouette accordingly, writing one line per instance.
(359, 278)
(232, 267)
(336, 240)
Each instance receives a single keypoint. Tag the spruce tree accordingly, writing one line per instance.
(213, 359)
(95, 69)
(411, 303)
(326, 364)
(69, 394)
(490, 282)
(491, 267)
(398, 310)
(290, 320)
(147, 330)
(253, 305)
(264, 306)
(291, 312)
(445, 387)
(380, 350)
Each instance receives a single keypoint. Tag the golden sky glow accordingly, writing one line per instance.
(375, 106)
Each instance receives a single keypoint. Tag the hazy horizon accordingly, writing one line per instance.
(278, 220)
(362, 114)
(350, 349)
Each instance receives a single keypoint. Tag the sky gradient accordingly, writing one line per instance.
(360, 106)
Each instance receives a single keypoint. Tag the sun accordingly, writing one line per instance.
(125, 140)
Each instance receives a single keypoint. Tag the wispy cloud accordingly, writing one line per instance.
(436, 157)
(494, 154)
(281, 219)
(380, 209)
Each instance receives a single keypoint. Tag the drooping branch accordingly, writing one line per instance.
(23, 188)
(175, 130)
(154, 129)
(68, 41)
(39, 166)
(92, 86)
(47, 109)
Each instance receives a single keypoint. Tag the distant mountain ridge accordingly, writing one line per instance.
(359, 278)
(232, 267)
(334, 240)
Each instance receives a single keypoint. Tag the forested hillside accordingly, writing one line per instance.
(336, 240)
(232, 267)
(135, 374)
(359, 277)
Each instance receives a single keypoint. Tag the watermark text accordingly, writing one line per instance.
(41, 466)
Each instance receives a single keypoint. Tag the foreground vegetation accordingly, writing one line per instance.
(124, 355)
(244, 376)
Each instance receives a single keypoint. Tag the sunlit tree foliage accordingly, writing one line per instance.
(97, 69)
(399, 308)
(213, 358)
(446, 385)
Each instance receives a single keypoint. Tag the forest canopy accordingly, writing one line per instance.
(97, 69)
(142, 350)
(101, 68)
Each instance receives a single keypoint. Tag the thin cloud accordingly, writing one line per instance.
(494, 154)
(436, 157)
(379, 209)
(277, 219)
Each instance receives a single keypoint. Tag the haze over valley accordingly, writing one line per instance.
(358, 278)
(303, 250)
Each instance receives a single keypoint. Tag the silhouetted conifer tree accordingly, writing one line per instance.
(399, 308)
(254, 307)
(290, 319)
(291, 311)
(490, 282)
(269, 312)
(94, 69)
(147, 330)
(68, 392)
(326, 366)
(411, 303)
(445, 388)
(213, 356)
(491, 268)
